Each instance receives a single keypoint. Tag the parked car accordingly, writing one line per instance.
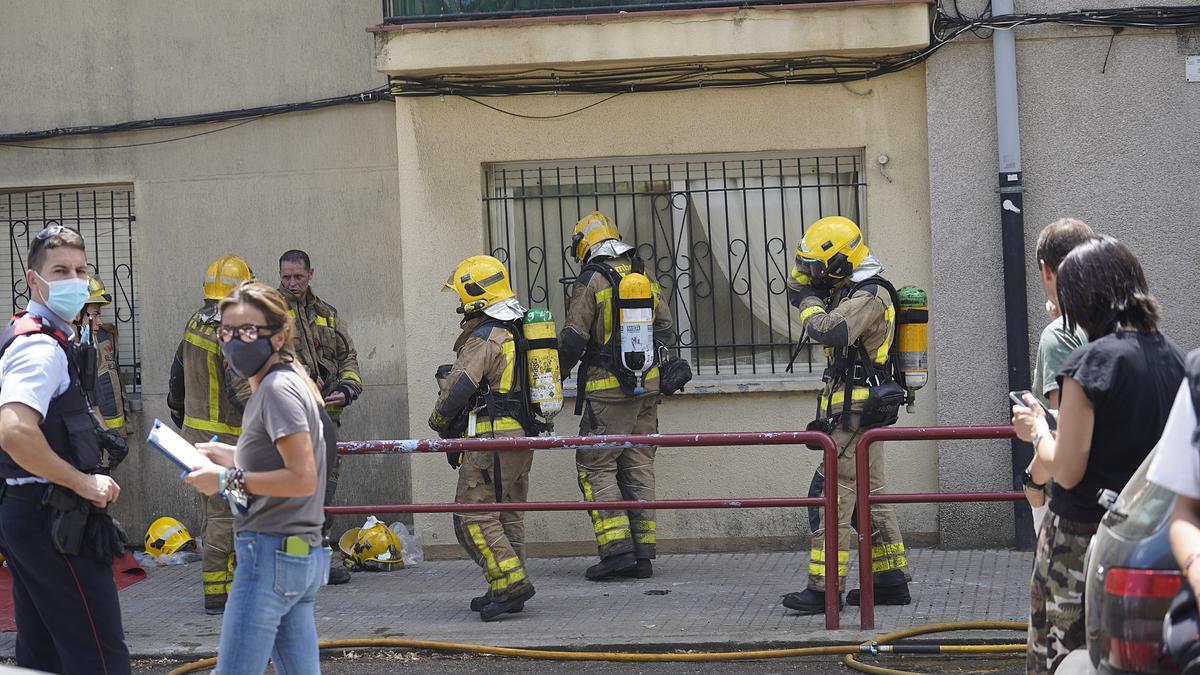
(1131, 579)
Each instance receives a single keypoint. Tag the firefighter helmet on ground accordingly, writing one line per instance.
(375, 547)
(589, 231)
(831, 249)
(225, 274)
(97, 294)
(166, 536)
(480, 281)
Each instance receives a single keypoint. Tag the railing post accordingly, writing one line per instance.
(833, 609)
(862, 497)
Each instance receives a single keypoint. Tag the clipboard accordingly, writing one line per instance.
(176, 449)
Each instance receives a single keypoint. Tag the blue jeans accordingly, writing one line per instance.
(270, 608)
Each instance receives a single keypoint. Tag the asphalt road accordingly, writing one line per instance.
(360, 662)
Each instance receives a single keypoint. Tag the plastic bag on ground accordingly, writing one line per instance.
(409, 546)
(178, 558)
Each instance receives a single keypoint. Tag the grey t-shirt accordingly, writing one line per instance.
(282, 405)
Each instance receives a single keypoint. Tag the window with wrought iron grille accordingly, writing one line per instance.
(103, 214)
(718, 233)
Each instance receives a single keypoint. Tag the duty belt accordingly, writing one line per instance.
(53, 496)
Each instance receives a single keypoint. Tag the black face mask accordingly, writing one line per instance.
(247, 358)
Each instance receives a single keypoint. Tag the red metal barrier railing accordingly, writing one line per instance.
(864, 498)
(829, 501)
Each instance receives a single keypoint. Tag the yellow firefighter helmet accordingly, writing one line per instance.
(223, 275)
(376, 547)
(480, 281)
(166, 536)
(831, 249)
(589, 231)
(97, 295)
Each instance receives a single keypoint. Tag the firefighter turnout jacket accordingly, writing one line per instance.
(857, 326)
(590, 327)
(323, 346)
(204, 395)
(109, 394)
(485, 376)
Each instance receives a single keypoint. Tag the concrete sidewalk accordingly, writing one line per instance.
(698, 601)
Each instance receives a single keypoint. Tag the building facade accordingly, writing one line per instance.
(713, 184)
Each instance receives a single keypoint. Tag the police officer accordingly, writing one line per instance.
(206, 399)
(484, 394)
(846, 306)
(67, 612)
(323, 346)
(611, 399)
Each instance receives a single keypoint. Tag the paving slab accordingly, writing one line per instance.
(702, 601)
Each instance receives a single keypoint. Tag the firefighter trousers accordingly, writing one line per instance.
(495, 540)
(217, 557)
(887, 546)
(619, 473)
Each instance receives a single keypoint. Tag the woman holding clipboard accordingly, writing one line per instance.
(275, 480)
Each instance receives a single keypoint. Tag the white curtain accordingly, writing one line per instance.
(753, 225)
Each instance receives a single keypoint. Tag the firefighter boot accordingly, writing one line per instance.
(890, 589)
(480, 601)
(494, 609)
(643, 570)
(611, 566)
(808, 601)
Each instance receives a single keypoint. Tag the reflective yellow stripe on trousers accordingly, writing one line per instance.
(607, 530)
(816, 563)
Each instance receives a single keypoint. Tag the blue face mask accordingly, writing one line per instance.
(66, 297)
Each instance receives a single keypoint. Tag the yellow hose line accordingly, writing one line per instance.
(888, 638)
(633, 657)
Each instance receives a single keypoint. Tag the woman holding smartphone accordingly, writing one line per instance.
(1116, 394)
(275, 478)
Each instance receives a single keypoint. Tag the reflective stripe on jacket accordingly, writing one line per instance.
(209, 395)
(484, 354)
(589, 320)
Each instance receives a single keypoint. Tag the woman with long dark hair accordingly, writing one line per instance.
(1117, 391)
(275, 478)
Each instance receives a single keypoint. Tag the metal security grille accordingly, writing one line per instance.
(103, 214)
(718, 234)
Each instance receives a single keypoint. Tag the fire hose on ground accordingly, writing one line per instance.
(882, 645)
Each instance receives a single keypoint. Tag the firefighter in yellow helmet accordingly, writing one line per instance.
(849, 308)
(108, 394)
(616, 394)
(206, 399)
(484, 394)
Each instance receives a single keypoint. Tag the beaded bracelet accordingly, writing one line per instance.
(237, 481)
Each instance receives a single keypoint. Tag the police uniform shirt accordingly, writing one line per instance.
(33, 370)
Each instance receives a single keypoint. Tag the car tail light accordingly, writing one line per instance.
(1134, 606)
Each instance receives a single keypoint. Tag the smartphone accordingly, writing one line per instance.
(1018, 397)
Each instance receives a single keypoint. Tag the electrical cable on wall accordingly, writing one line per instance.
(947, 26)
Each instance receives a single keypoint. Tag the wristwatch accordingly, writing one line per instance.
(1027, 481)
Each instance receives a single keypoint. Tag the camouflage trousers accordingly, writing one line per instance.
(1056, 593)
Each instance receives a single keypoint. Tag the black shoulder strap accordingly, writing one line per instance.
(895, 297)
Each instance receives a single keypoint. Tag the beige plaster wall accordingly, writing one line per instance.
(321, 181)
(443, 147)
(640, 37)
